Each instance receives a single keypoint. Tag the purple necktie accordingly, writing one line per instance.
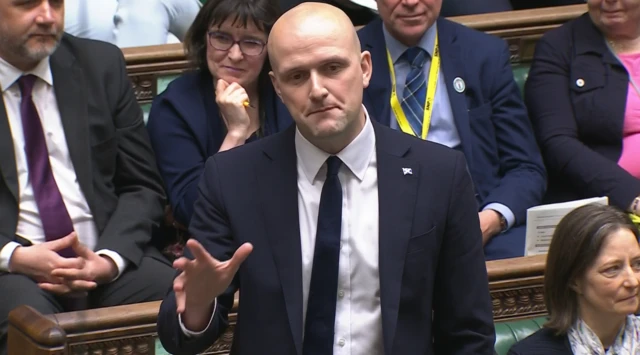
(56, 222)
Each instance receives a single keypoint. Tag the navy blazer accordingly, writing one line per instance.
(497, 139)
(185, 128)
(542, 342)
(576, 94)
(433, 282)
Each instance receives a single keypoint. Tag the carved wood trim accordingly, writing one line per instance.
(523, 300)
(121, 346)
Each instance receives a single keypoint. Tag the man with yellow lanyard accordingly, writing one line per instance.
(440, 81)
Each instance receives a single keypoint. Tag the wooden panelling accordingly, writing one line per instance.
(515, 286)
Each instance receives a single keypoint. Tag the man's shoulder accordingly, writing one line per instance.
(251, 152)
(87, 52)
(467, 36)
(426, 152)
(371, 31)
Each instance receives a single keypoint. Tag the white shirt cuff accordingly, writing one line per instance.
(5, 255)
(192, 334)
(120, 262)
(504, 211)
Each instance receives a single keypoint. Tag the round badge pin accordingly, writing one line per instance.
(458, 84)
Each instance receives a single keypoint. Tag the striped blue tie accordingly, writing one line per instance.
(415, 89)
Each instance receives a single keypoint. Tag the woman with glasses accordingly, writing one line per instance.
(227, 101)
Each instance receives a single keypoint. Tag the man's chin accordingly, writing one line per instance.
(39, 52)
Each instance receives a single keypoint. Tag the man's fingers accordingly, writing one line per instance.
(62, 243)
(178, 289)
(82, 285)
(69, 263)
(199, 252)
(181, 263)
(181, 301)
(58, 289)
(72, 274)
(240, 256)
(82, 250)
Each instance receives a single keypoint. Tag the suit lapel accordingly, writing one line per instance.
(380, 83)
(7, 154)
(397, 197)
(69, 86)
(277, 176)
(452, 66)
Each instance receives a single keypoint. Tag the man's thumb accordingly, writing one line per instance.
(240, 256)
(62, 243)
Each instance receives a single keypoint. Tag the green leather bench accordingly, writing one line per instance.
(509, 333)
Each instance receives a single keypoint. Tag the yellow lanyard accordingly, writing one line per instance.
(434, 71)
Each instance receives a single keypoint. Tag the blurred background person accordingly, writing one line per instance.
(131, 23)
(584, 103)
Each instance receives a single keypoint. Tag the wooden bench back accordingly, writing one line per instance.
(521, 29)
(515, 286)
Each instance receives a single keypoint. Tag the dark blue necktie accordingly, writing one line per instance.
(415, 89)
(323, 289)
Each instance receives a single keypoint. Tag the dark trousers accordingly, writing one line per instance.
(509, 244)
(151, 281)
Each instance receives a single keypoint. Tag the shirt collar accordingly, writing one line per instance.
(396, 48)
(10, 74)
(356, 156)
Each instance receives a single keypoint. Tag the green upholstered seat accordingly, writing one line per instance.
(520, 73)
(509, 333)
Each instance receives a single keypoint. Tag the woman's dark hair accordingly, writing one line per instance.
(575, 245)
(262, 13)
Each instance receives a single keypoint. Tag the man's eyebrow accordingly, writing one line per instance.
(335, 58)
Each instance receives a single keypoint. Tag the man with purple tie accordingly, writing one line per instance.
(79, 191)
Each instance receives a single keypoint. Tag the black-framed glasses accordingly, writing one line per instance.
(223, 42)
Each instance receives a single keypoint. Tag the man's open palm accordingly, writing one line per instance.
(204, 278)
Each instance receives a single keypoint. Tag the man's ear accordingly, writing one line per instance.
(275, 84)
(367, 68)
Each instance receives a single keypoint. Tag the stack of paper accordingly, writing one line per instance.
(542, 221)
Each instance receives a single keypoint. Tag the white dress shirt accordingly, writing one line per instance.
(131, 23)
(358, 324)
(29, 224)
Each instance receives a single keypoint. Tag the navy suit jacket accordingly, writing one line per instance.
(433, 279)
(185, 128)
(497, 138)
(579, 128)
